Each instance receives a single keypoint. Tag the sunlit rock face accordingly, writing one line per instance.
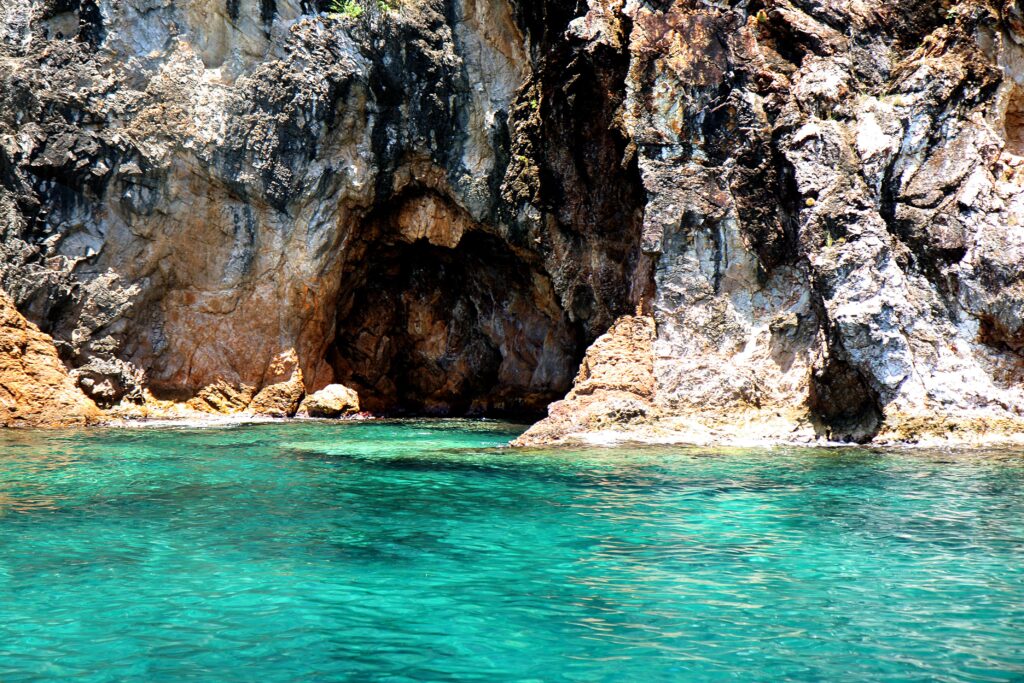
(813, 206)
(35, 389)
(833, 206)
(191, 188)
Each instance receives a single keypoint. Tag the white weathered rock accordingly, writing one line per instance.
(334, 400)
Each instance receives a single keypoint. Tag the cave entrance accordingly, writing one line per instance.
(469, 329)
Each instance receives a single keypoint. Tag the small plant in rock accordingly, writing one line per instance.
(346, 8)
(362, 10)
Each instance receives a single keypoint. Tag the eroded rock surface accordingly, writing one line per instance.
(203, 184)
(813, 206)
(282, 390)
(613, 391)
(35, 388)
(834, 208)
(334, 400)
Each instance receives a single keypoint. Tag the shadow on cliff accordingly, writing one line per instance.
(441, 323)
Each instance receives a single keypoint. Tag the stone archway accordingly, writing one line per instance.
(439, 317)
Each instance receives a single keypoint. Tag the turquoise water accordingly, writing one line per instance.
(417, 551)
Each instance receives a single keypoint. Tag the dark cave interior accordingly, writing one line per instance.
(469, 330)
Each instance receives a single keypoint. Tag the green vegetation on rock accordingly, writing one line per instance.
(354, 9)
(347, 8)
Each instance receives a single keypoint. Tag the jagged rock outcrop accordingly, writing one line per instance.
(282, 390)
(831, 198)
(813, 206)
(35, 388)
(613, 390)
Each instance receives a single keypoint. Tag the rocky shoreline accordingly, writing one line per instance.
(611, 404)
(780, 221)
(614, 400)
(35, 388)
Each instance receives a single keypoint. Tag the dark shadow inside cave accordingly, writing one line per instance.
(1014, 122)
(843, 402)
(471, 330)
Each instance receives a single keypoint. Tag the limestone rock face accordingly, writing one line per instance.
(334, 400)
(186, 187)
(833, 207)
(442, 205)
(35, 388)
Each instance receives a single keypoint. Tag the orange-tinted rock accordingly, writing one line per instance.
(283, 391)
(614, 386)
(35, 388)
(621, 360)
(222, 397)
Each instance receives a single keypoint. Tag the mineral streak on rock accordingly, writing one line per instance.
(780, 219)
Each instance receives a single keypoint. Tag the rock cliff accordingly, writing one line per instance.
(766, 219)
(35, 389)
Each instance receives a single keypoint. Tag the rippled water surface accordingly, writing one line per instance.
(418, 551)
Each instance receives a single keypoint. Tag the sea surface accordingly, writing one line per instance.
(424, 551)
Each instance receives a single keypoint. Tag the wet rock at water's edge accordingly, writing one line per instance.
(334, 400)
(35, 388)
